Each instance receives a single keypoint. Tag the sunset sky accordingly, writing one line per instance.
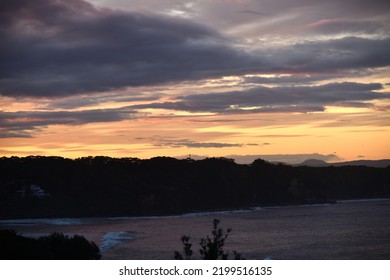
(284, 80)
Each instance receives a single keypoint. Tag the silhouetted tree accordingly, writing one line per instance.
(55, 246)
(211, 248)
(186, 249)
(64, 247)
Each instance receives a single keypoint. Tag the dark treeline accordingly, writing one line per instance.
(55, 246)
(103, 186)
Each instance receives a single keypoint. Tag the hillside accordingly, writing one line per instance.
(103, 186)
(369, 163)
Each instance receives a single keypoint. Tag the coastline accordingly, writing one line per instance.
(59, 221)
(355, 229)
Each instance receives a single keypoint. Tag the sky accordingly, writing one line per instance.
(285, 80)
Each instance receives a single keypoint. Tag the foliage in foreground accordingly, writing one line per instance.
(211, 248)
(55, 246)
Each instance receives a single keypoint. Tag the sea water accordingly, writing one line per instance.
(358, 229)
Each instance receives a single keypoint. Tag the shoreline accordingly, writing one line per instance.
(284, 232)
(64, 221)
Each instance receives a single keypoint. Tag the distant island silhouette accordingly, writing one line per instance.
(38, 186)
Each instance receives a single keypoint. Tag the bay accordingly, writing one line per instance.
(356, 229)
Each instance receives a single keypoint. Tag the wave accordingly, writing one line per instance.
(111, 239)
(222, 212)
(189, 214)
(363, 200)
(81, 221)
(247, 210)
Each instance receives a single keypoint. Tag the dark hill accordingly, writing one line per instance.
(314, 163)
(368, 163)
(103, 186)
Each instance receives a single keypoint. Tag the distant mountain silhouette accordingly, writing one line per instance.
(370, 163)
(313, 163)
(383, 163)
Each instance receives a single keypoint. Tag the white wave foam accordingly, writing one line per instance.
(363, 200)
(61, 222)
(111, 239)
(224, 212)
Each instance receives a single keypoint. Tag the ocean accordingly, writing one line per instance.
(354, 229)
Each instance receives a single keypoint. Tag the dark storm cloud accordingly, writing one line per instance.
(332, 55)
(277, 99)
(58, 48)
(61, 48)
(259, 99)
(22, 124)
(83, 101)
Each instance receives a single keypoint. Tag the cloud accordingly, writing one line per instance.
(24, 123)
(59, 48)
(296, 79)
(13, 134)
(192, 144)
(77, 101)
(255, 100)
(343, 25)
(177, 143)
(62, 48)
(288, 20)
(284, 15)
(277, 99)
(331, 55)
(256, 13)
(290, 79)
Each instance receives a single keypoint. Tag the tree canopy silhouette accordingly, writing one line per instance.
(104, 186)
(211, 248)
(55, 246)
